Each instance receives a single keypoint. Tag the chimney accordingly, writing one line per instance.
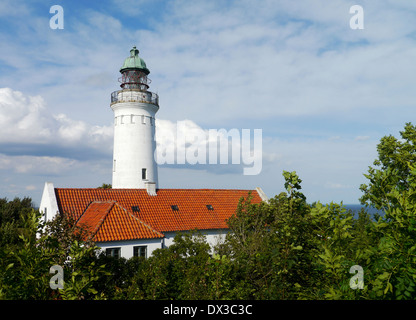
(151, 188)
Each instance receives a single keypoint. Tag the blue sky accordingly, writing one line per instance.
(322, 93)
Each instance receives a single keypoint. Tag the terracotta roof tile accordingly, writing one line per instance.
(109, 211)
(94, 215)
(109, 222)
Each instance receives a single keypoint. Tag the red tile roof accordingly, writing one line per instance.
(110, 215)
(107, 221)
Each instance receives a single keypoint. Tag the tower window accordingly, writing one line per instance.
(144, 174)
(175, 207)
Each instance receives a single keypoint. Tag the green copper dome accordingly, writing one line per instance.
(134, 62)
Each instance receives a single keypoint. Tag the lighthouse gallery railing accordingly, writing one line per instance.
(134, 95)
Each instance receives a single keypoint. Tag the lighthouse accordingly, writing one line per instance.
(136, 217)
(134, 108)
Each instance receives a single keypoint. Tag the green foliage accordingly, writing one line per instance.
(24, 267)
(105, 186)
(25, 263)
(275, 244)
(12, 216)
(83, 272)
(392, 173)
(392, 187)
(177, 272)
(284, 248)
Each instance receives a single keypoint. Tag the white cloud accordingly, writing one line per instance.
(22, 117)
(278, 69)
(67, 143)
(12, 9)
(264, 64)
(186, 143)
(25, 120)
(36, 165)
(361, 138)
(283, 59)
(70, 130)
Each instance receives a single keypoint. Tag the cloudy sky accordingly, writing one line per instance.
(323, 94)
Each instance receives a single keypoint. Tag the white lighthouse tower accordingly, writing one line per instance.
(134, 107)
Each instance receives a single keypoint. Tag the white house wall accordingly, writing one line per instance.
(127, 246)
(48, 204)
(213, 237)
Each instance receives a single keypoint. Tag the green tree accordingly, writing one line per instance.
(273, 245)
(336, 251)
(82, 273)
(392, 169)
(105, 186)
(78, 255)
(24, 266)
(12, 216)
(25, 263)
(392, 187)
(176, 272)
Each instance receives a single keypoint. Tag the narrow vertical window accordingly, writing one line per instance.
(114, 165)
(144, 174)
(143, 120)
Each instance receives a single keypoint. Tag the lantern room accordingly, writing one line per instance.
(134, 72)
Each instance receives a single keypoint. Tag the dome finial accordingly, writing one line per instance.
(134, 51)
(134, 62)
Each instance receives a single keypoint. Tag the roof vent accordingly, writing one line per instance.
(209, 207)
(175, 207)
(135, 208)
